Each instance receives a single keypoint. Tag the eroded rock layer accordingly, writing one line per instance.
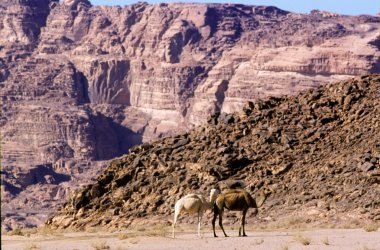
(319, 152)
(82, 83)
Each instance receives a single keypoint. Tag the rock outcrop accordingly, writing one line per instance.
(319, 151)
(82, 83)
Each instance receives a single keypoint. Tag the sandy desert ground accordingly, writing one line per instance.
(357, 239)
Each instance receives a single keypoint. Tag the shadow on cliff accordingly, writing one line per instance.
(112, 139)
(40, 174)
(82, 88)
(46, 174)
(376, 64)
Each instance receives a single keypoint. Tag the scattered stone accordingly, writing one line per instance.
(366, 166)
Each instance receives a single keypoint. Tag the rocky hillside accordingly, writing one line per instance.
(81, 84)
(319, 151)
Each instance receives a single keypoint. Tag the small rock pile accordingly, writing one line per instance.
(319, 151)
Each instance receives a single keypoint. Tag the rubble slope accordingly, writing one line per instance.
(319, 151)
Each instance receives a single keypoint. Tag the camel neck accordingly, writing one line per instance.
(212, 200)
(261, 199)
(213, 197)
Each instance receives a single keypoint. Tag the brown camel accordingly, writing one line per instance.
(237, 200)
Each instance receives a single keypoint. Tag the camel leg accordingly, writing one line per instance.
(241, 225)
(176, 214)
(221, 222)
(216, 213)
(200, 214)
(243, 222)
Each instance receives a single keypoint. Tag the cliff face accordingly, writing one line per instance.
(82, 83)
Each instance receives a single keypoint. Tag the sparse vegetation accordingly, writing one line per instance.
(371, 227)
(29, 232)
(159, 230)
(100, 245)
(141, 229)
(31, 246)
(133, 241)
(259, 241)
(91, 230)
(287, 223)
(16, 232)
(352, 224)
(366, 248)
(326, 241)
(123, 236)
(120, 248)
(284, 247)
(49, 231)
(302, 239)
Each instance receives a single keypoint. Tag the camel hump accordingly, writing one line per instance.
(194, 196)
(241, 194)
(191, 196)
(234, 190)
(219, 202)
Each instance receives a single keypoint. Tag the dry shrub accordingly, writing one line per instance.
(16, 232)
(158, 230)
(123, 236)
(91, 230)
(302, 239)
(352, 224)
(284, 247)
(371, 227)
(49, 231)
(29, 231)
(259, 241)
(150, 230)
(287, 223)
(141, 229)
(326, 241)
(366, 248)
(100, 245)
(133, 241)
(32, 246)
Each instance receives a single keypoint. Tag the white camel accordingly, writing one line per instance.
(194, 203)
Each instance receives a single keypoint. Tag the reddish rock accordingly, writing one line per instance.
(81, 84)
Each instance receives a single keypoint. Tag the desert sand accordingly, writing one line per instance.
(357, 239)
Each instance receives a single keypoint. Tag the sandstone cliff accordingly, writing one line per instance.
(81, 84)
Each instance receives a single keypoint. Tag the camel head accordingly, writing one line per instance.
(264, 194)
(267, 191)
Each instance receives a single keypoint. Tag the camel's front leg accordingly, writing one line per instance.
(221, 222)
(214, 219)
(176, 213)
